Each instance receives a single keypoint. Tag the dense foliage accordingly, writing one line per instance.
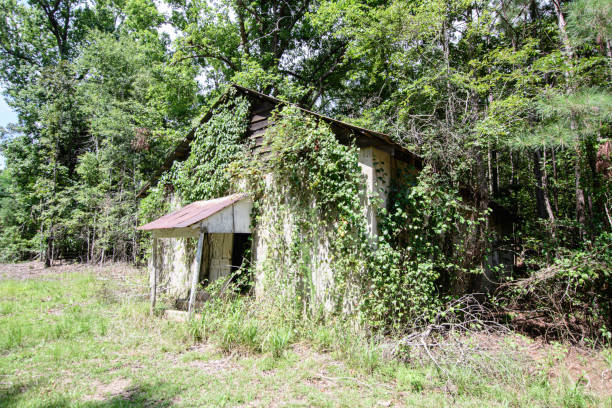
(311, 193)
(219, 142)
(312, 203)
(430, 243)
(208, 171)
(508, 101)
(98, 106)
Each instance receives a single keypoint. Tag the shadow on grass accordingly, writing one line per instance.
(138, 396)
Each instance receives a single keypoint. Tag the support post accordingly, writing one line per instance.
(154, 276)
(196, 273)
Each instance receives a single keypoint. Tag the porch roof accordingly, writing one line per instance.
(195, 213)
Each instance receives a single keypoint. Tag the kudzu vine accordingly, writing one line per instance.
(314, 183)
(206, 173)
(387, 281)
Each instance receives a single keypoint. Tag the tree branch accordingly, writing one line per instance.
(221, 58)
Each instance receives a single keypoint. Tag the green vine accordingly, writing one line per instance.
(206, 173)
(309, 213)
(421, 233)
(315, 186)
(217, 143)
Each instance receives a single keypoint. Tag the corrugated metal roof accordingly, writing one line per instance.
(192, 213)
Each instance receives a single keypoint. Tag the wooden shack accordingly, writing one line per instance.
(222, 226)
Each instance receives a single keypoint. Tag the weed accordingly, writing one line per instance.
(196, 330)
(11, 337)
(249, 335)
(574, 397)
(409, 379)
(323, 338)
(607, 355)
(229, 336)
(277, 341)
(370, 358)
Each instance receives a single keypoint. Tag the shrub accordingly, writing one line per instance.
(249, 335)
(568, 299)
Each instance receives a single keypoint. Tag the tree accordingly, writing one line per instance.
(98, 108)
(268, 45)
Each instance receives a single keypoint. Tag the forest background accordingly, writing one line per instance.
(508, 102)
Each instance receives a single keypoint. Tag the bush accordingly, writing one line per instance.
(570, 299)
(409, 379)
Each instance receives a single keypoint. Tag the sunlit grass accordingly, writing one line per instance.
(87, 340)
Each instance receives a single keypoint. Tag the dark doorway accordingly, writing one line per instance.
(241, 249)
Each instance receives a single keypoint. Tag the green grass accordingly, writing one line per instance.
(84, 340)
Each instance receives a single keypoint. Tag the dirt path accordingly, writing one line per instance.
(36, 269)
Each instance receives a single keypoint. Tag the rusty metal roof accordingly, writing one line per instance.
(192, 213)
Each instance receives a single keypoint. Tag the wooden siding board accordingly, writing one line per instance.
(258, 133)
(257, 118)
(259, 125)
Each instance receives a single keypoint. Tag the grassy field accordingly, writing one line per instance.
(83, 337)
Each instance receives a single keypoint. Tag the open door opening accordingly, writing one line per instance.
(241, 250)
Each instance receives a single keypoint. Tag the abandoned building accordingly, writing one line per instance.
(205, 240)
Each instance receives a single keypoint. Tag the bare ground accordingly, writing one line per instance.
(36, 269)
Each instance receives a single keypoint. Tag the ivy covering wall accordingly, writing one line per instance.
(310, 221)
(320, 258)
(207, 172)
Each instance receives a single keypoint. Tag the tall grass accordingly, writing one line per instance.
(70, 320)
(233, 326)
(242, 325)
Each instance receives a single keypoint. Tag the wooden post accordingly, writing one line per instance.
(196, 273)
(154, 276)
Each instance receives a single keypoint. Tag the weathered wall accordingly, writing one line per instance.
(275, 243)
(176, 263)
(376, 167)
(176, 260)
(278, 236)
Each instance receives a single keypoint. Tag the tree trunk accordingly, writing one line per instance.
(543, 202)
(580, 201)
(609, 51)
(450, 116)
(539, 191)
(48, 253)
(554, 188)
(567, 48)
(544, 184)
(493, 174)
